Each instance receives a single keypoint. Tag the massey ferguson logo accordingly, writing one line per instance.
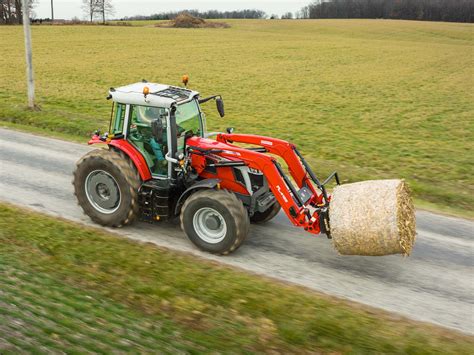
(282, 194)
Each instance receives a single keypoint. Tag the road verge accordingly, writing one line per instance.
(61, 278)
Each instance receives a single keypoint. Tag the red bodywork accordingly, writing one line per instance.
(305, 216)
(129, 150)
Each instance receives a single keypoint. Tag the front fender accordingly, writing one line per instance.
(129, 150)
(203, 184)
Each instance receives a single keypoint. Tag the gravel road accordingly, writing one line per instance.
(435, 284)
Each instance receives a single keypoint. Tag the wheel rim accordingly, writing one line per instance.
(102, 191)
(209, 225)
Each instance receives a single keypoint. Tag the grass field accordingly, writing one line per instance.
(65, 288)
(370, 98)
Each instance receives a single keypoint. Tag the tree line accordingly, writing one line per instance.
(11, 11)
(428, 10)
(425, 10)
(210, 14)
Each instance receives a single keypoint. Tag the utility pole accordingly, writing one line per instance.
(29, 54)
(52, 11)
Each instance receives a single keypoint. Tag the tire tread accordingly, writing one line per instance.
(235, 207)
(130, 173)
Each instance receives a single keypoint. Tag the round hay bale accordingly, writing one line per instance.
(374, 217)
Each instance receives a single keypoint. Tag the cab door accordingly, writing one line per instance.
(140, 134)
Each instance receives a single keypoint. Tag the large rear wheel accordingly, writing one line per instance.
(215, 221)
(106, 186)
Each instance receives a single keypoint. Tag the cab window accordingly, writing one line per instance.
(119, 119)
(140, 134)
(143, 115)
(188, 122)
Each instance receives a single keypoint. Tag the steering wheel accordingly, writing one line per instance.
(135, 135)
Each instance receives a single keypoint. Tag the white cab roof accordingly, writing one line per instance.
(160, 95)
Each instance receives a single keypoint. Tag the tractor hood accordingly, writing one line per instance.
(210, 145)
(159, 95)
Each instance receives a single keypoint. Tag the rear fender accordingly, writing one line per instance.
(203, 184)
(129, 150)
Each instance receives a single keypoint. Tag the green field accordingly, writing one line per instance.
(65, 288)
(370, 98)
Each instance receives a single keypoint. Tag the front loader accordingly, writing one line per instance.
(161, 163)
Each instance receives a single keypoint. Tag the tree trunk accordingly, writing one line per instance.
(9, 20)
(18, 10)
(2, 14)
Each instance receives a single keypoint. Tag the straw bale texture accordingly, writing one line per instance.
(374, 217)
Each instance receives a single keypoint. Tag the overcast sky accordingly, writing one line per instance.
(66, 9)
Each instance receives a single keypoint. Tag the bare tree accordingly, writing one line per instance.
(11, 11)
(305, 12)
(90, 8)
(106, 8)
(98, 9)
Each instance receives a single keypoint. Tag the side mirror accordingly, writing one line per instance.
(220, 106)
(157, 130)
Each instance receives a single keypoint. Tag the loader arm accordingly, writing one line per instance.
(303, 210)
(283, 149)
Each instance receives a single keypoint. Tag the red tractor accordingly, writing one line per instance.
(161, 163)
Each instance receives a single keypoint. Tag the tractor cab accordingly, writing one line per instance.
(156, 119)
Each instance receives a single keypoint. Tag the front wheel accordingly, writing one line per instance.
(215, 221)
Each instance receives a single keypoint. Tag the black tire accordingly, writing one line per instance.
(120, 173)
(263, 217)
(233, 216)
